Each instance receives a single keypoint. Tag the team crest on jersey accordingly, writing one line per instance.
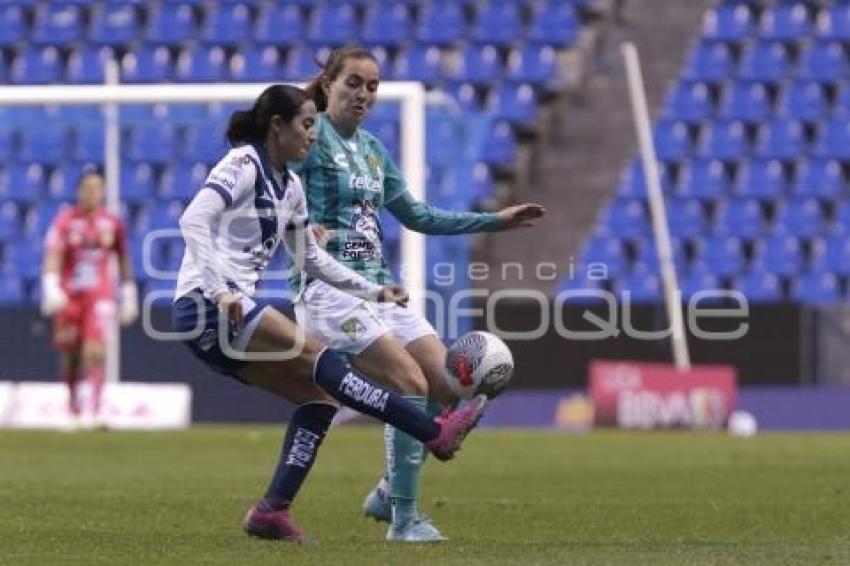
(353, 327)
(374, 163)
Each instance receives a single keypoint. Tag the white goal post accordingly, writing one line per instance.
(411, 95)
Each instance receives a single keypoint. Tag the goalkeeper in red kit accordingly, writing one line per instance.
(77, 289)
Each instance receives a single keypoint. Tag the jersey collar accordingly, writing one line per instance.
(265, 163)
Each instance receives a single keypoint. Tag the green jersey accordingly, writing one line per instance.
(348, 181)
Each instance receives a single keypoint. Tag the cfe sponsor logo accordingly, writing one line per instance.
(358, 390)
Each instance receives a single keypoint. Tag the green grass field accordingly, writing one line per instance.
(511, 497)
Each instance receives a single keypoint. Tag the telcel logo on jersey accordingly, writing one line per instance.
(366, 182)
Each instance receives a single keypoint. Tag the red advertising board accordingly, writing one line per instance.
(652, 395)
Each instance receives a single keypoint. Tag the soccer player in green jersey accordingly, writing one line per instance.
(348, 178)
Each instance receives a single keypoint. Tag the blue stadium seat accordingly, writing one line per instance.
(686, 218)
(43, 144)
(723, 256)
(61, 184)
(26, 256)
(256, 63)
(498, 23)
(387, 131)
(834, 23)
(554, 23)
(443, 139)
(25, 182)
(13, 25)
(742, 218)
(35, 65)
(227, 25)
(382, 57)
(705, 179)
(170, 24)
(113, 25)
(764, 62)
(745, 101)
(606, 250)
(202, 144)
(821, 178)
(760, 287)
(689, 101)
(86, 64)
(158, 216)
(672, 140)
(148, 64)
(817, 288)
(516, 103)
(728, 23)
(7, 144)
(534, 64)
(582, 281)
(694, 282)
(626, 218)
(155, 143)
(10, 219)
(181, 181)
(841, 105)
(57, 25)
(647, 253)
(633, 182)
(440, 23)
(802, 218)
(782, 255)
(831, 254)
(803, 100)
(833, 139)
(709, 61)
(786, 22)
(841, 217)
(762, 179)
(724, 140)
(11, 289)
(280, 24)
(138, 182)
(465, 95)
(189, 114)
(418, 63)
(300, 64)
(783, 138)
(478, 64)
(822, 61)
(500, 145)
(202, 64)
(39, 218)
(333, 25)
(389, 26)
(642, 285)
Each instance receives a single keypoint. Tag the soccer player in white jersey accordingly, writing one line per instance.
(249, 204)
(349, 177)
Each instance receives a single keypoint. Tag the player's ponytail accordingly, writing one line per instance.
(331, 70)
(251, 126)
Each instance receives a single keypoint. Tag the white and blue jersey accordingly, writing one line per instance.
(244, 211)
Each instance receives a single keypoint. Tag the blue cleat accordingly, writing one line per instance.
(420, 529)
(377, 504)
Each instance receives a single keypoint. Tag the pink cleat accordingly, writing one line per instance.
(454, 426)
(274, 525)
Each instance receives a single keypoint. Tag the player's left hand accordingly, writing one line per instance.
(129, 303)
(393, 294)
(520, 215)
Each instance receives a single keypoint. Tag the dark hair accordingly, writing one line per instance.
(89, 170)
(331, 70)
(251, 126)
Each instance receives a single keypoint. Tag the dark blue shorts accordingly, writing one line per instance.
(207, 329)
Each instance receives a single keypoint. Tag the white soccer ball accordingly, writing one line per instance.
(479, 362)
(742, 423)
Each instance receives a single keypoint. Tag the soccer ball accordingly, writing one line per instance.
(479, 362)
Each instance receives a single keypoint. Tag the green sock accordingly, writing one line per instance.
(404, 460)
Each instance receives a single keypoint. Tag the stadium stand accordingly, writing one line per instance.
(754, 146)
(499, 60)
